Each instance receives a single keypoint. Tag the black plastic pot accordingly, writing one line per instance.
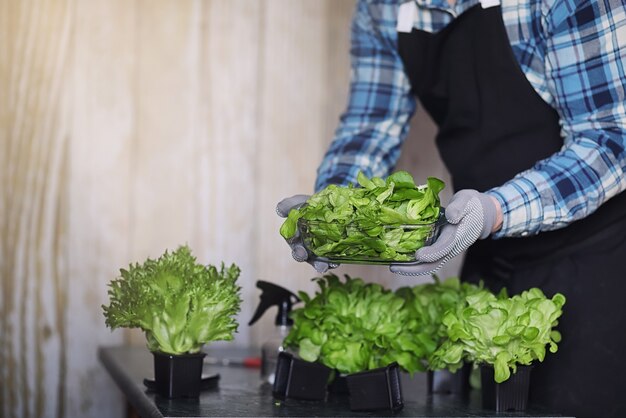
(449, 383)
(299, 379)
(376, 389)
(510, 395)
(178, 376)
(339, 385)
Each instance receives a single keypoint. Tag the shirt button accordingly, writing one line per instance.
(525, 233)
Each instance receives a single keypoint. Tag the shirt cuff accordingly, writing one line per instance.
(522, 208)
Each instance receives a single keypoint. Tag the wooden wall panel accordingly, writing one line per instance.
(34, 273)
(227, 187)
(166, 96)
(101, 154)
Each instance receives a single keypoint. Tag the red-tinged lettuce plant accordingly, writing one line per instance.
(502, 331)
(179, 303)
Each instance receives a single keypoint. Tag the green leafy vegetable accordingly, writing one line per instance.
(352, 326)
(427, 304)
(502, 331)
(179, 303)
(369, 221)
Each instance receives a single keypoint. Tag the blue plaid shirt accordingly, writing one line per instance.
(573, 53)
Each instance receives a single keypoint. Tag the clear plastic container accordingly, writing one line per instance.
(334, 242)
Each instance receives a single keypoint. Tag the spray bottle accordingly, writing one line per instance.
(284, 299)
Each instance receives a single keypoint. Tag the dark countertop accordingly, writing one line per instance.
(240, 393)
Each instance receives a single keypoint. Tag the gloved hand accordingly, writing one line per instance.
(298, 251)
(471, 215)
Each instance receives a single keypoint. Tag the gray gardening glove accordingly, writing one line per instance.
(471, 215)
(298, 251)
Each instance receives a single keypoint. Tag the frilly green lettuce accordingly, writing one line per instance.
(179, 303)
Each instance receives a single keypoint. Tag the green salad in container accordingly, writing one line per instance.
(376, 221)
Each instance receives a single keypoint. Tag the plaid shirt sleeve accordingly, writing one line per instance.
(585, 60)
(375, 123)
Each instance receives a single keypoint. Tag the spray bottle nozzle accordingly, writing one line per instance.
(275, 295)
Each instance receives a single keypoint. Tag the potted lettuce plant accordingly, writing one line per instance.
(355, 327)
(506, 336)
(427, 304)
(180, 305)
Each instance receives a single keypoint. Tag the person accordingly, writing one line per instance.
(529, 100)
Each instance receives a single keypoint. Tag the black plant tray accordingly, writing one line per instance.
(178, 376)
(450, 383)
(510, 395)
(339, 385)
(376, 389)
(206, 383)
(299, 379)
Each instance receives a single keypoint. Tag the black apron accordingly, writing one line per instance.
(493, 125)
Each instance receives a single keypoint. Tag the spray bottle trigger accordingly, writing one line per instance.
(271, 295)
